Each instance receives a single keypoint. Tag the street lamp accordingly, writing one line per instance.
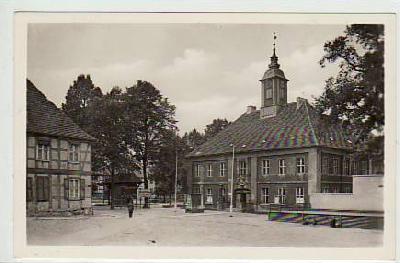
(233, 168)
(176, 166)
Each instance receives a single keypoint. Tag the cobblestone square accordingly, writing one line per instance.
(169, 227)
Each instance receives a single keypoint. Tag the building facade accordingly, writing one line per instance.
(58, 152)
(277, 155)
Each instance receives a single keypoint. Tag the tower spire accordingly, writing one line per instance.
(274, 58)
(273, 87)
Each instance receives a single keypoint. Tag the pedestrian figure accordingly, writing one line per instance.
(129, 202)
(333, 223)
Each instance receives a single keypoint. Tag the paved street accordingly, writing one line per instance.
(165, 227)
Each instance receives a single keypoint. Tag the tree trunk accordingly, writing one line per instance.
(112, 188)
(146, 181)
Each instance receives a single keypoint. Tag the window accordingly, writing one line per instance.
(281, 197)
(74, 153)
(301, 165)
(325, 165)
(346, 168)
(196, 189)
(325, 189)
(222, 169)
(264, 195)
(197, 170)
(42, 188)
(282, 91)
(364, 167)
(335, 166)
(29, 189)
(209, 170)
(347, 189)
(242, 168)
(73, 192)
(330, 166)
(265, 167)
(299, 195)
(355, 168)
(268, 93)
(43, 152)
(282, 167)
(209, 196)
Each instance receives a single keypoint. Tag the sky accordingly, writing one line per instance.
(207, 71)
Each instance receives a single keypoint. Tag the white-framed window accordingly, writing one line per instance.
(280, 198)
(264, 195)
(265, 167)
(222, 169)
(242, 167)
(197, 170)
(74, 152)
(301, 165)
(209, 170)
(282, 167)
(209, 196)
(299, 195)
(347, 189)
(74, 189)
(335, 166)
(325, 189)
(43, 152)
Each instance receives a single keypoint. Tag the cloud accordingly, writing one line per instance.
(199, 82)
(190, 76)
(306, 77)
(202, 85)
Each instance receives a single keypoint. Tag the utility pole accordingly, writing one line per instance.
(176, 175)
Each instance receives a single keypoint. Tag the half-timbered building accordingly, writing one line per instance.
(58, 151)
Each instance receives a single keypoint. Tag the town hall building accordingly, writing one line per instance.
(279, 154)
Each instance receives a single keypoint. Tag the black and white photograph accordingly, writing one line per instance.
(206, 134)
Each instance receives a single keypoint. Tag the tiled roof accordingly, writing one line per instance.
(292, 127)
(43, 117)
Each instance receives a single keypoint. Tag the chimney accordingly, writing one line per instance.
(251, 109)
(301, 101)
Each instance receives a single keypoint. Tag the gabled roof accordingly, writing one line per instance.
(43, 117)
(297, 125)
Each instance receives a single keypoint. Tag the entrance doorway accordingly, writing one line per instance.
(243, 199)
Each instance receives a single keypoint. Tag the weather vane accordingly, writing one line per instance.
(274, 39)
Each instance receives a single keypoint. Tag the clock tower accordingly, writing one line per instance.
(273, 88)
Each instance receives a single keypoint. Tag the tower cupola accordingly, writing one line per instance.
(273, 87)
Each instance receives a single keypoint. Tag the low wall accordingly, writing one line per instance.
(367, 196)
